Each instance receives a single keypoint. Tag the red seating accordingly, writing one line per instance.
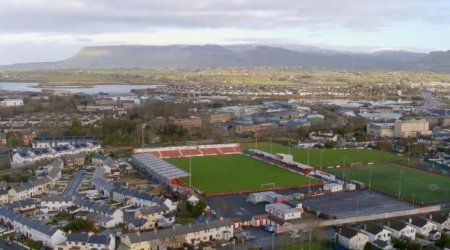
(210, 151)
(170, 153)
(188, 152)
(227, 150)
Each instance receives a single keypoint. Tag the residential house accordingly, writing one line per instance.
(441, 220)
(421, 225)
(176, 236)
(58, 202)
(351, 238)
(400, 229)
(34, 229)
(88, 241)
(377, 232)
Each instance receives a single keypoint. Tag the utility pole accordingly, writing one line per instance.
(400, 184)
(271, 142)
(142, 135)
(321, 155)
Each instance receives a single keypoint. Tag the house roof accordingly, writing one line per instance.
(396, 225)
(57, 197)
(31, 223)
(439, 217)
(176, 230)
(88, 238)
(348, 232)
(418, 221)
(373, 228)
(154, 209)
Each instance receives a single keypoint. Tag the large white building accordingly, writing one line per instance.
(399, 128)
(283, 211)
(27, 156)
(11, 103)
(411, 128)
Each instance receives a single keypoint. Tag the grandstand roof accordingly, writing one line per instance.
(160, 167)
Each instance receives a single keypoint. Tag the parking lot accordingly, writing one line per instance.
(356, 203)
(237, 206)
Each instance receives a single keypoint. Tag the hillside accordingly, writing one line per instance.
(213, 56)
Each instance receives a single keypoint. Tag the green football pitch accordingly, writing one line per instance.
(327, 157)
(236, 172)
(413, 184)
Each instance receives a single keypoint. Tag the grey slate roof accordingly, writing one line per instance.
(418, 221)
(88, 238)
(439, 217)
(96, 206)
(397, 225)
(31, 223)
(348, 232)
(373, 228)
(177, 230)
(143, 196)
(57, 197)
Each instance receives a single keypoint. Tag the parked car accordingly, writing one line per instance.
(8, 242)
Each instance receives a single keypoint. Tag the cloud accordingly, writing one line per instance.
(87, 16)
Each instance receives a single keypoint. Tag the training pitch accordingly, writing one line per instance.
(327, 157)
(413, 184)
(235, 173)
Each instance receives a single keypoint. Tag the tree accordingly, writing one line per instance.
(197, 209)
(368, 246)
(330, 144)
(76, 128)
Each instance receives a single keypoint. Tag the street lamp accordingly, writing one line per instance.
(400, 184)
(190, 144)
(321, 154)
(357, 207)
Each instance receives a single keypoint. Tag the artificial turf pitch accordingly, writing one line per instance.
(236, 172)
(327, 157)
(417, 185)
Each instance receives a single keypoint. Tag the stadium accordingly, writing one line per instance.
(223, 169)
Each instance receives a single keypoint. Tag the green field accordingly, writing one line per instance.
(422, 186)
(231, 173)
(330, 157)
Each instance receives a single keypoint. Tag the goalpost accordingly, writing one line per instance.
(267, 185)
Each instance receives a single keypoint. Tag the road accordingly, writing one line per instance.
(6, 247)
(431, 102)
(75, 182)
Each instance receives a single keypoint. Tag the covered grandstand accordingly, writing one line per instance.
(158, 169)
(195, 150)
(278, 160)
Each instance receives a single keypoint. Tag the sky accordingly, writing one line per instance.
(49, 30)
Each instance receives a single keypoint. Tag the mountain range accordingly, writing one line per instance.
(212, 56)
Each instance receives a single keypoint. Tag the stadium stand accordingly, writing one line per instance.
(278, 160)
(198, 150)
